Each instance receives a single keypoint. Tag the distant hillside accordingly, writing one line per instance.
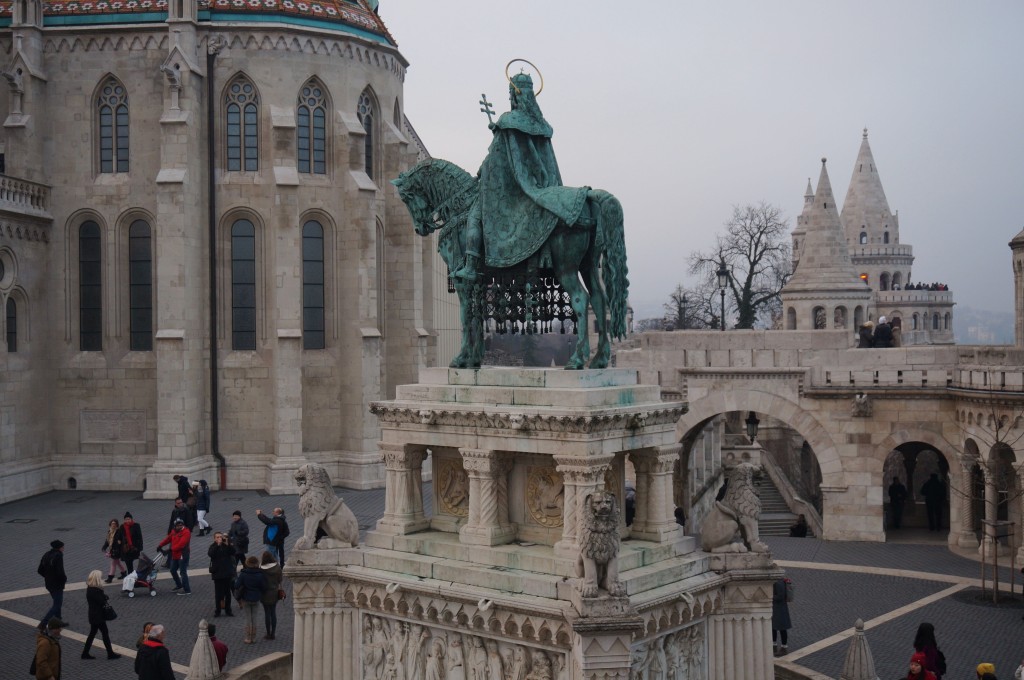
(980, 327)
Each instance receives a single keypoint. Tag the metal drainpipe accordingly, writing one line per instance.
(211, 149)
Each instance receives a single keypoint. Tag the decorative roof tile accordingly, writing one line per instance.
(352, 13)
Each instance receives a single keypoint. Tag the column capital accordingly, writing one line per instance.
(485, 461)
(401, 456)
(584, 469)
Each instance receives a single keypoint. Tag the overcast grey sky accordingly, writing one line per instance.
(683, 109)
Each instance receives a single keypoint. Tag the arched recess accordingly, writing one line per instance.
(883, 281)
(858, 316)
(790, 319)
(1003, 463)
(72, 291)
(22, 329)
(819, 318)
(912, 455)
(332, 302)
(261, 265)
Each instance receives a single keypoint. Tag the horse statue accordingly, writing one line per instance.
(544, 286)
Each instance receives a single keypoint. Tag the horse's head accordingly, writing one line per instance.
(426, 189)
(415, 200)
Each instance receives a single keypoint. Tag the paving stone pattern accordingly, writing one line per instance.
(827, 602)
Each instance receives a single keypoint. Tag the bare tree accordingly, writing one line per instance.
(755, 250)
(698, 311)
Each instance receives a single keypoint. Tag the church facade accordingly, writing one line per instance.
(203, 267)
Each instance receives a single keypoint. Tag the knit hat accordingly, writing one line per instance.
(57, 544)
(918, 658)
(55, 623)
(986, 668)
(128, 515)
(179, 521)
(881, 319)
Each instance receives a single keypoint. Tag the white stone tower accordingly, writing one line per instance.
(1017, 246)
(825, 290)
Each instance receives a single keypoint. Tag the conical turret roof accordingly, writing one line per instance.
(825, 264)
(865, 204)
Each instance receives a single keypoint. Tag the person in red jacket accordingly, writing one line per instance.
(917, 671)
(179, 540)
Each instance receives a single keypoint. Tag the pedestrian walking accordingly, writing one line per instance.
(238, 536)
(145, 633)
(222, 571)
(184, 488)
(925, 643)
(781, 622)
(934, 493)
(47, 663)
(203, 507)
(219, 648)
(986, 671)
(51, 568)
(153, 662)
(917, 669)
(128, 542)
(274, 533)
(249, 588)
(97, 601)
(113, 552)
(179, 540)
(184, 513)
(272, 570)
(897, 497)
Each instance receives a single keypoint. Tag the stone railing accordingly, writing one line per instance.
(703, 500)
(275, 666)
(914, 297)
(24, 197)
(796, 504)
(881, 250)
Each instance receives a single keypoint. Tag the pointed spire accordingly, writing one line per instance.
(809, 194)
(859, 664)
(825, 264)
(203, 665)
(866, 207)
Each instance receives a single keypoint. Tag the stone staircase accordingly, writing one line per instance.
(776, 517)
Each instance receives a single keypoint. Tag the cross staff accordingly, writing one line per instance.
(485, 106)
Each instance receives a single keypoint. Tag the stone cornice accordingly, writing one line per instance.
(422, 414)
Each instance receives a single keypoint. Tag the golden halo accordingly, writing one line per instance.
(539, 75)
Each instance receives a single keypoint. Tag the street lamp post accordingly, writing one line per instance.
(682, 321)
(723, 281)
(752, 423)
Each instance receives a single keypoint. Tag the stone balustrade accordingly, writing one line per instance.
(914, 297)
(24, 197)
(882, 250)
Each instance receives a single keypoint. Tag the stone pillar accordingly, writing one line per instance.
(740, 635)
(288, 455)
(655, 511)
(488, 488)
(1020, 519)
(991, 509)
(326, 639)
(581, 475)
(967, 538)
(403, 502)
(601, 647)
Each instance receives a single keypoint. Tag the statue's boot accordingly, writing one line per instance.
(469, 270)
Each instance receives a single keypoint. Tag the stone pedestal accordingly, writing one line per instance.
(489, 588)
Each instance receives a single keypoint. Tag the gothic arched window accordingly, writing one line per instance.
(885, 237)
(112, 108)
(367, 114)
(312, 128)
(313, 327)
(790, 319)
(935, 321)
(140, 287)
(914, 321)
(863, 237)
(883, 281)
(90, 288)
(242, 117)
(12, 325)
(243, 285)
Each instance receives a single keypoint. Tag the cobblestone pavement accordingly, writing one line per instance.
(892, 587)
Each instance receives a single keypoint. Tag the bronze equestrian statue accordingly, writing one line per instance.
(517, 241)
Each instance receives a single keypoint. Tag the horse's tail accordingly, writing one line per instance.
(612, 241)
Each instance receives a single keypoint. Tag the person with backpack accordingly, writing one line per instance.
(924, 643)
(51, 568)
(250, 585)
(274, 533)
(782, 595)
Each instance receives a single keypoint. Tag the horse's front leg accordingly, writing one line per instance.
(465, 356)
(599, 302)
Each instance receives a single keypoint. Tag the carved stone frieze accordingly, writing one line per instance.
(678, 611)
(394, 649)
(680, 655)
(537, 422)
(545, 495)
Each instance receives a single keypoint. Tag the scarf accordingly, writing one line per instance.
(128, 535)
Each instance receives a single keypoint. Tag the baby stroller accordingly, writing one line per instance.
(144, 575)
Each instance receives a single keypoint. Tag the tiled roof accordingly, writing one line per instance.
(352, 13)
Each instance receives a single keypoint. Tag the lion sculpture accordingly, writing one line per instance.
(731, 526)
(598, 563)
(322, 511)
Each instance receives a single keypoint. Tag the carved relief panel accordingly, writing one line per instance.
(451, 490)
(397, 650)
(680, 655)
(537, 499)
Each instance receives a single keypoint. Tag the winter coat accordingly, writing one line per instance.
(186, 515)
(96, 598)
(252, 582)
(222, 560)
(184, 489)
(282, 529)
(47, 657)
(865, 339)
(153, 662)
(238, 536)
(52, 570)
(274, 574)
(931, 657)
(203, 497)
(923, 675)
(883, 335)
(120, 543)
(780, 608)
(179, 541)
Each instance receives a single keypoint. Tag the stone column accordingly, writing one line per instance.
(488, 489)
(326, 638)
(1020, 519)
(601, 647)
(403, 500)
(988, 544)
(581, 475)
(655, 511)
(740, 636)
(967, 538)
